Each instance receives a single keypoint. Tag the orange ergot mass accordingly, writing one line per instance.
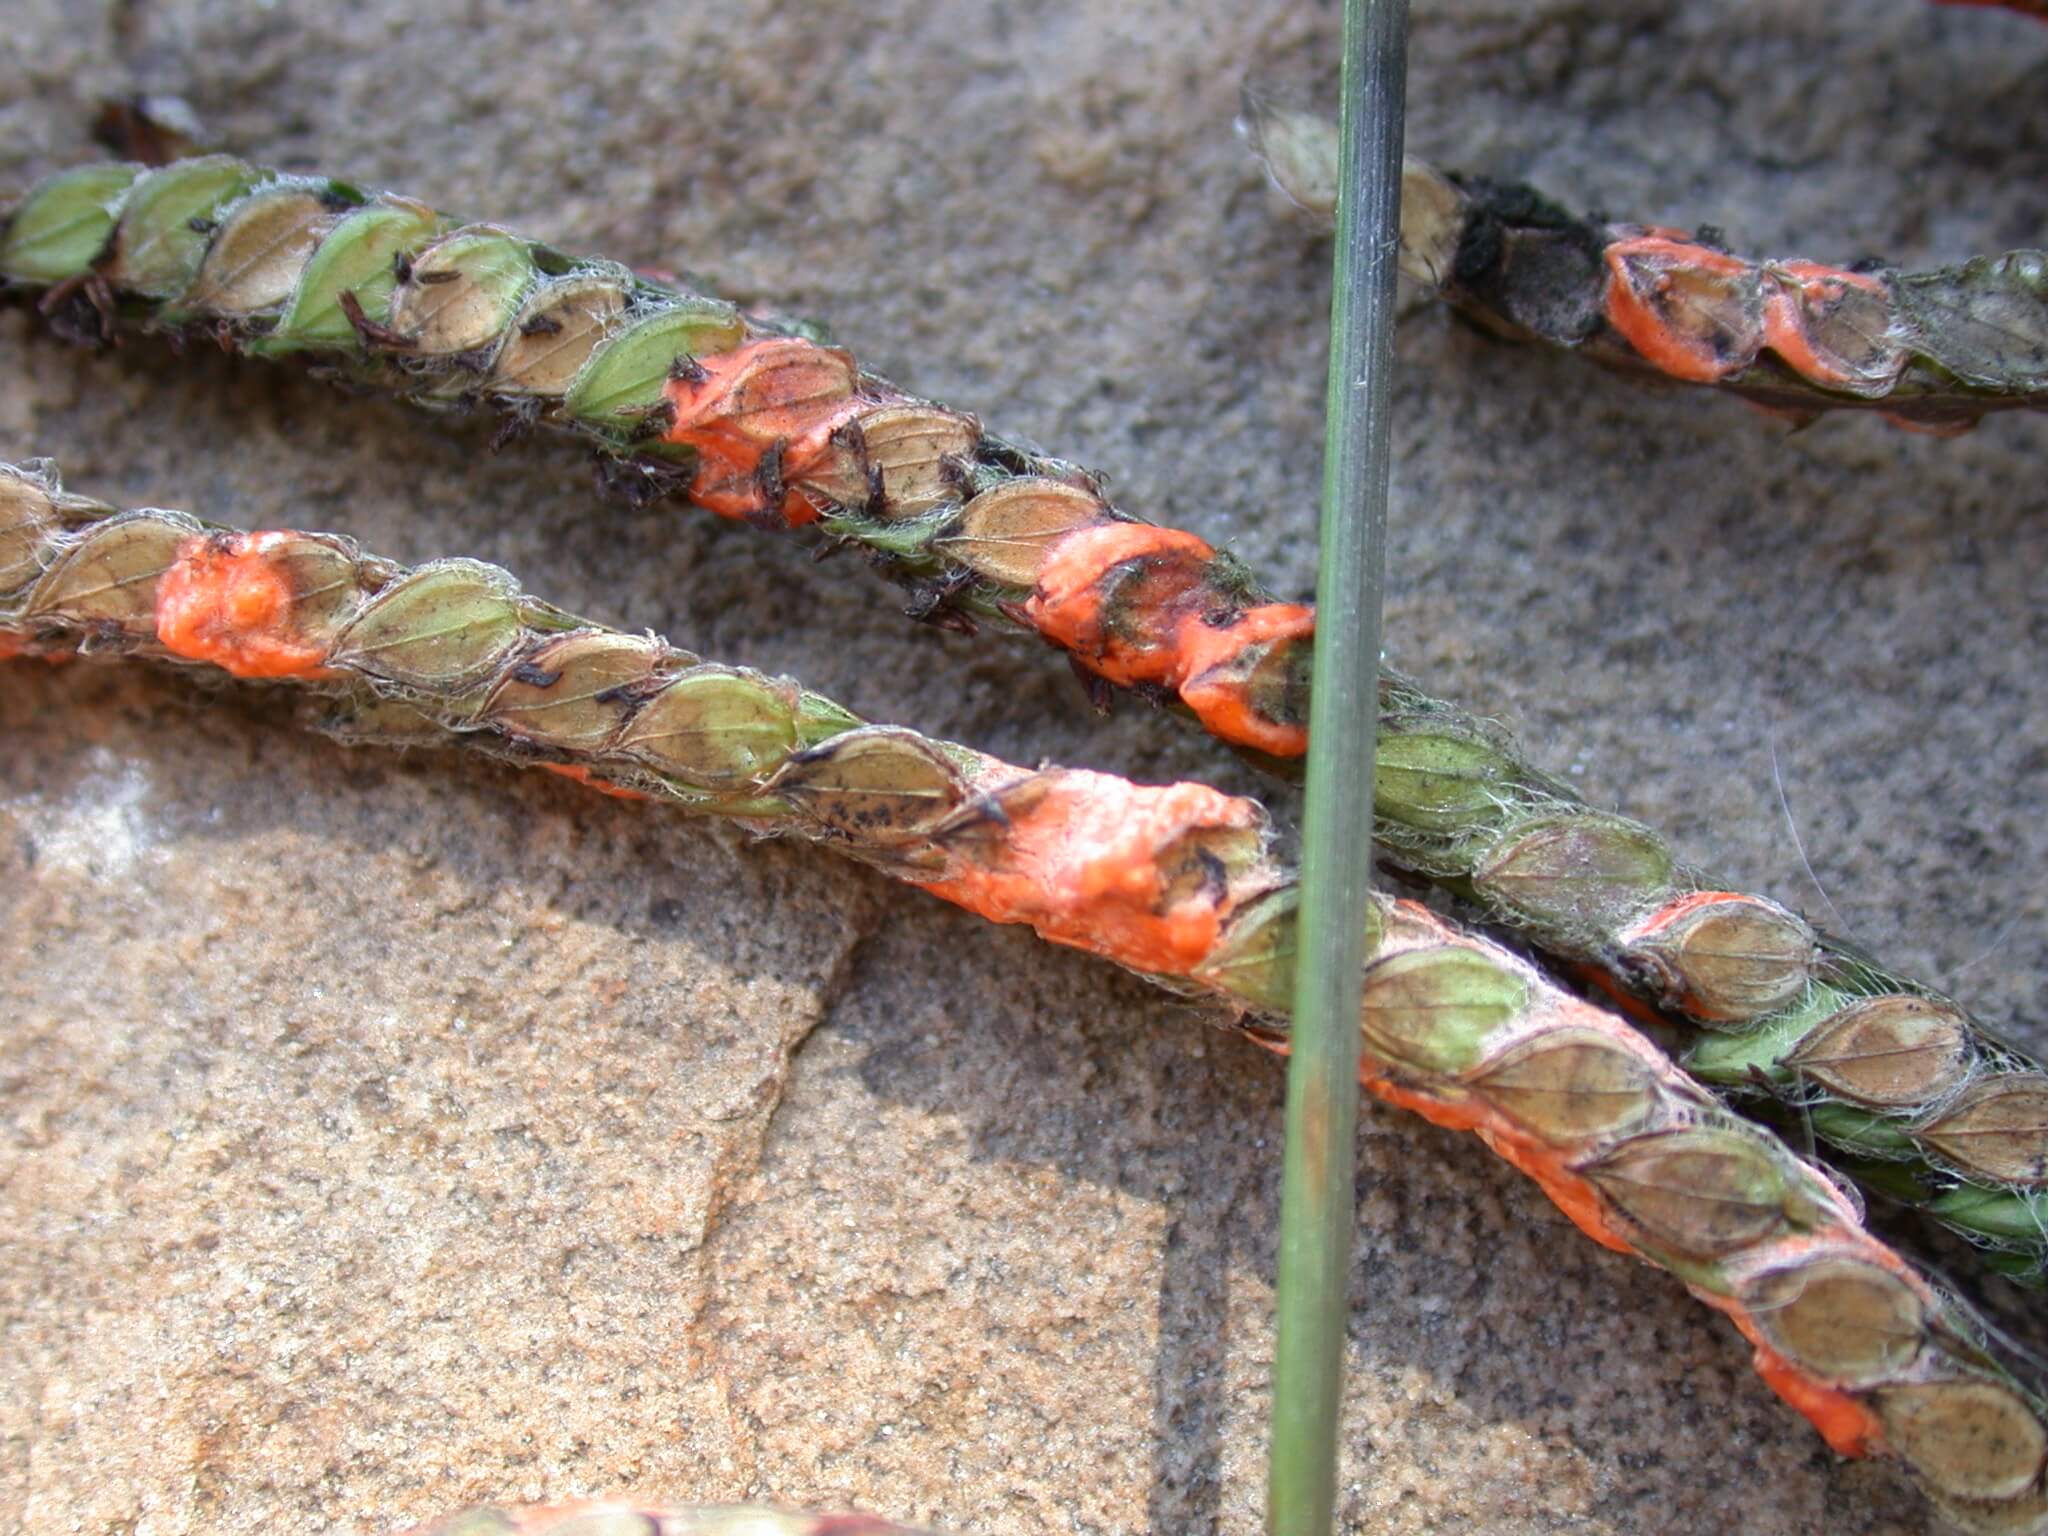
(1690, 310)
(583, 775)
(761, 418)
(1091, 861)
(228, 600)
(1802, 298)
(1139, 605)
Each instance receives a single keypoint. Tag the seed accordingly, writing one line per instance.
(1255, 962)
(1998, 1129)
(1702, 1191)
(1841, 1318)
(1005, 533)
(714, 726)
(445, 627)
(2023, 1515)
(1985, 321)
(570, 692)
(881, 787)
(1691, 311)
(552, 337)
(64, 223)
(1970, 1439)
(911, 445)
(257, 604)
(1435, 778)
(167, 220)
(1571, 1085)
(1433, 1009)
(1725, 958)
(1888, 1052)
(629, 375)
(1833, 326)
(463, 292)
(109, 577)
(27, 517)
(778, 391)
(356, 258)
(1581, 876)
(259, 252)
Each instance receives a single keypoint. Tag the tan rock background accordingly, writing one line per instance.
(382, 1134)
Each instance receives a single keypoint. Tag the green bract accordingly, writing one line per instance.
(629, 377)
(168, 221)
(1435, 1009)
(63, 224)
(358, 258)
(442, 628)
(462, 292)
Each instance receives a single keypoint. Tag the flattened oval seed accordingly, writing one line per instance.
(64, 223)
(1888, 1052)
(27, 518)
(881, 787)
(1701, 1191)
(910, 445)
(2023, 1515)
(260, 252)
(714, 726)
(321, 573)
(1840, 1318)
(167, 220)
(1255, 962)
(110, 576)
(1434, 1008)
(629, 375)
(1730, 959)
(1005, 533)
(462, 292)
(1998, 1129)
(1972, 1439)
(553, 336)
(1582, 875)
(445, 628)
(1433, 778)
(1983, 321)
(570, 692)
(1571, 1085)
(357, 258)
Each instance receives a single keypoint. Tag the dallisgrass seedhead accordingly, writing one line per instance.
(1938, 349)
(680, 391)
(1176, 882)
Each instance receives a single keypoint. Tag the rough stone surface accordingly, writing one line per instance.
(385, 1134)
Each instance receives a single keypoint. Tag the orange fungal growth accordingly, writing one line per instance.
(1850, 1427)
(585, 777)
(1690, 311)
(229, 599)
(1137, 873)
(1227, 687)
(1546, 1165)
(761, 417)
(1804, 300)
(1136, 604)
(1080, 602)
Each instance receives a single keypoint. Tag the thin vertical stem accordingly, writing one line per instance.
(1317, 1201)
